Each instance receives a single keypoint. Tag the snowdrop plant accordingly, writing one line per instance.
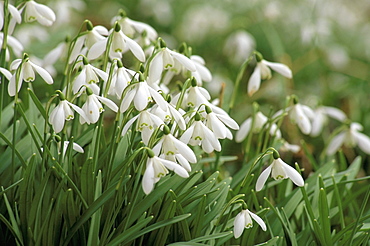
(244, 220)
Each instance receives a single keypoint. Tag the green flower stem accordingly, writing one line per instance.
(181, 98)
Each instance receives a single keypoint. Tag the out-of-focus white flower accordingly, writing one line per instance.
(63, 112)
(16, 46)
(259, 121)
(321, 118)
(262, 71)
(165, 59)
(14, 13)
(26, 73)
(199, 134)
(279, 170)
(146, 124)
(350, 137)
(92, 35)
(244, 220)
(239, 46)
(38, 12)
(174, 150)
(141, 93)
(120, 44)
(66, 10)
(156, 168)
(218, 122)
(290, 147)
(93, 107)
(89, 76)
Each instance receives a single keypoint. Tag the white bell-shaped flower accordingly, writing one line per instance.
(38, 12)
(321, 117)
(62, 112)
(93, 107)
(279, 170)
(262, 71)
(244, 220)
(14, 13)
(156, 168)
(217, 124)
(26, 73)
(146, 123)
(350, 137)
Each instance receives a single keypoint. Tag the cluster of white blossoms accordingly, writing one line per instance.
(167, 122)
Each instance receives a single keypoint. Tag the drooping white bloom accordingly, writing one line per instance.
(321, 117)
(120, 80)
(88, 39)
(217, 124)
(174, 150)
(199, 134)
(89, 76)
(14, 44)
(38, 12)
(76, 147)
(301, 115)
(171, 113)
(350, 137)
(156, 168)
(244, 220)
(202, 73)
(26, 73)
(262, 71)
(14, 13)
(194, 96)
(93, 107)
(62, 112)
(259, 121)
(120, 44)
(146, 124)
(279, 170)
(165, 59)
(141, 94)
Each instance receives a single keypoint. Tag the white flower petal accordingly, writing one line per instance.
(135, 49)
(258, 220)
(109, 103)
(254, 81)
(280, 68)
(335, 113)
(293, 174)
(148, 178)
(156, 67)
(243, 131)
(363, 141)
(43, 73)
(262, 178)
(6, 73)
(128, 124)
(185, 61)
(239, 224)
(97, 49)
(335, 143)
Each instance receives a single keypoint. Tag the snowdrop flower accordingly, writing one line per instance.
(350, 137)
(89, 76)
(156, 168)
(26, 73)
(262, 71)
(120, 80)
(171, 113)
(165, 59)
(279, 170)
(76, 147)
(93, 107)
(62, 112)
(6, 73)
(194, 96)
(120, 44)
(14, 44)
(35, 11)
(141, 94)
(55, 54)
(244, 220)
(239, 46)
(202, 73)
(174, 150)
(146, 123)
(218, 122)
(199, 134)
(321, 117)
(131, 27)
(89, 38)
(259, 121)
(14, 13)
